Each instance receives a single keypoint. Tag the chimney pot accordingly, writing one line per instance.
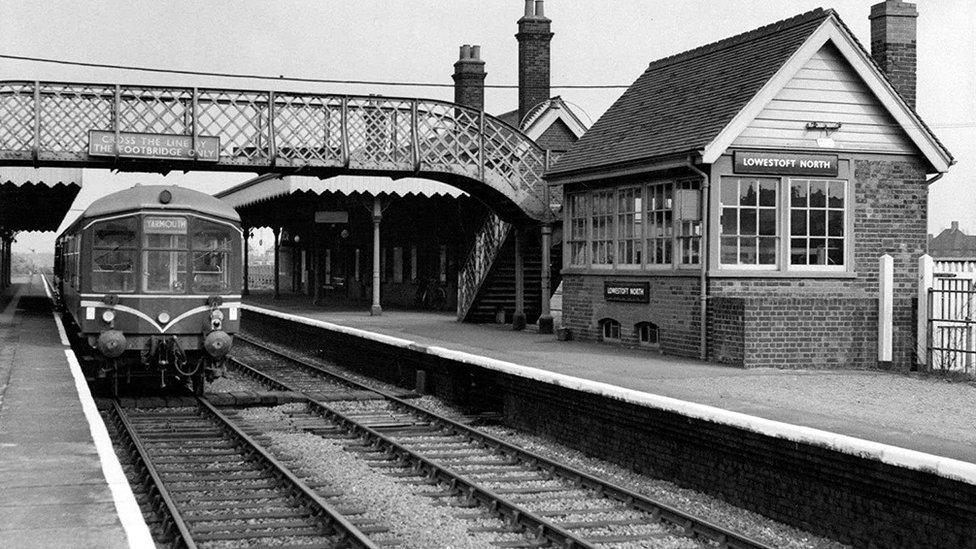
(465, 52)
(539, 9)
(955, 225)
(529, 12)
(475, 52)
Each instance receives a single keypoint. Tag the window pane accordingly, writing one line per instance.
(112, 270)
(798, 251)
(767, 250)
(836, 194)
(818, 251)
(748, 192)
(210, 272)
(748, 252)
(767, 193)
(835, 223)
(730, 221)
(730, 250)
(818, 222)
(730, 191)
(747, 221)
(798, 194)
(171, 241)
(165, 271)
(818, 194)
(767, 222)
(835, 251)
(798, 222)
(118, 233)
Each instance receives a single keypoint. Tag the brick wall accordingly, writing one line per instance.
(557, 137)
(726, 330)
(673, 307)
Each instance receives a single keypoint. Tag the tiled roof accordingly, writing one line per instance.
(952, 243)
(682, 102)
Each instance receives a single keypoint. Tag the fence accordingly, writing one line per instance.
(947, 315)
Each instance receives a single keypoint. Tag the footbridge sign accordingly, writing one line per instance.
(159, 129)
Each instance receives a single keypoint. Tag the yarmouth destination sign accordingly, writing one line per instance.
(155, 146)
(779, 163)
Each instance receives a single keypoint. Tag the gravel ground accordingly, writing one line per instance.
(413, 519)
(690, 501)
(233, 382)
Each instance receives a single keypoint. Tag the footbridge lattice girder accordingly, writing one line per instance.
(47, 124)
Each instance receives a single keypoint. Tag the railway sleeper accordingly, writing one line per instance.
(176, 477)
(519, 544)
(262, 523)
(236, 534)
(600, 523)
(232, 494)
(198, 486)
(248, 515)
(185, 458)
(534, 490)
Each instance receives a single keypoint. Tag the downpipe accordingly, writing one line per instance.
(703, 276)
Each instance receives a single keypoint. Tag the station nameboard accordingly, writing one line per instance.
(630, 291)
(156, 146)
(780, 163)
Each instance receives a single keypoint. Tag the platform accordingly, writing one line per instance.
(906, 411)
(53, 487)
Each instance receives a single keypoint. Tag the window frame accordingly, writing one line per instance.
(783, 268)
(788, 259)
(579, 210)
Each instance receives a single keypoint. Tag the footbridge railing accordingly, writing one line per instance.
(167, 128)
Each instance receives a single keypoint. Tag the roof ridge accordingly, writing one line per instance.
(748, 36)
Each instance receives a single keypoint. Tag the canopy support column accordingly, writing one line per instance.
(545, 319)
(376, 310)
(277, 249)
(518, 318)
(246, 289)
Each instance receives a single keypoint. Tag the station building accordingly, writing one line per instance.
(734, 202)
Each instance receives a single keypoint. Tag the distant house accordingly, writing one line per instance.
(952, 243)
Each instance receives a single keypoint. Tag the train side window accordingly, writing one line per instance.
(113, 256)
(164, 254)
(212, 248)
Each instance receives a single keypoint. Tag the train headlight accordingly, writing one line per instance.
(108, 316)
(163, 317)
(216, 319)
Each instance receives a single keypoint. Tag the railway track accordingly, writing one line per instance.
(212, 485)
(556, 504)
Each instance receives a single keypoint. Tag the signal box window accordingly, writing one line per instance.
(164, 254)
(610, 329)
(647, 334)
(211, 257)
(113, 255)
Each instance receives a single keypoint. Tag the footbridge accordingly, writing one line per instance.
(161, 129)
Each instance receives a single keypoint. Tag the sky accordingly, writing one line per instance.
(607, 42)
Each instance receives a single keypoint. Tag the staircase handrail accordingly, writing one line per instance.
(488, 243)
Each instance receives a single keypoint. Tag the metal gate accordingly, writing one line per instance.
(951, 343)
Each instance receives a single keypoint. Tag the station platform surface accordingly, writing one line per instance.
(53, 491)
(924, 414)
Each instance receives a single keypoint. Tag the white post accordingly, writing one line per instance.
(376, 310)
(886, 303)
(925, 269)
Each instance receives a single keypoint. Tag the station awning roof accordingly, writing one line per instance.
(36, 199)
(268, 187)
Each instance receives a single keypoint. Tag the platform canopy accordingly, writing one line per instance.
(268, 187)
(36, 199)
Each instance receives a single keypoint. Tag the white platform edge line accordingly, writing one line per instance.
(893, 455)
(136, 529)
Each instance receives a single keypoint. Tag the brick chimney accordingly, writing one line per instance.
(893, 31)
(469, 78)
(533, 58)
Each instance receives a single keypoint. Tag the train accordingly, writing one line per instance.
(149, 279)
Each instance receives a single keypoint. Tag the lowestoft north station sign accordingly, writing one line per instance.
(778, 163)
(153, 146)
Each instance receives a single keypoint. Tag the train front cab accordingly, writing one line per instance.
(164, 292)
